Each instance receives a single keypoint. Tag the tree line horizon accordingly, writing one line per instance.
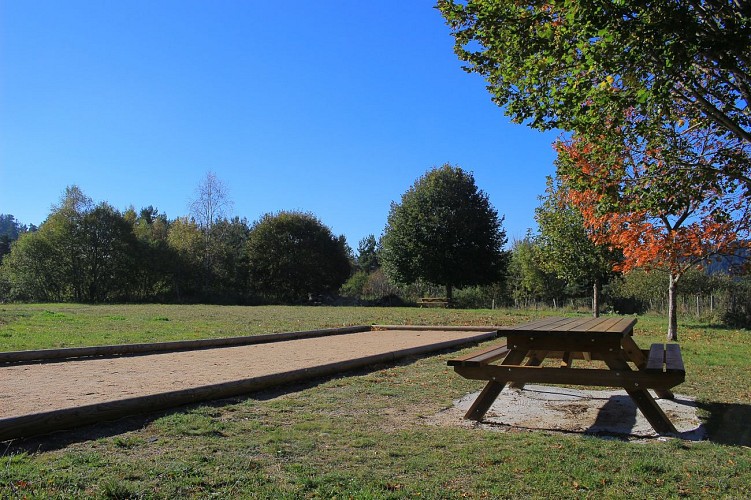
(291, 257)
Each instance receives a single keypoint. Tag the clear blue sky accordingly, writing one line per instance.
(330, 107)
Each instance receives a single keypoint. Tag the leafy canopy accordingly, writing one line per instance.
(568, 63)
(566, 243)
(292, 255)
(444, 231)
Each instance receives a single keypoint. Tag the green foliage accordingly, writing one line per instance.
(367, 254)
(32, 272)
(81, 252)
(659, 90)
(444, 231)
(292, 257)
(527, 281)
(186, 240)
(354, 286)
(569, 64)
(10, 230)
(565, 245)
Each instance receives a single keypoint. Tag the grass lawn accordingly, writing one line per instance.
(364, 435)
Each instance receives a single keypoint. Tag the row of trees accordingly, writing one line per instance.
(88, 252)
(443, 232)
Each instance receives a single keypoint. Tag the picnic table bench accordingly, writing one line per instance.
(567, 339)
(433, 302)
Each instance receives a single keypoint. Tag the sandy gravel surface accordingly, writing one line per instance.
(34, 388)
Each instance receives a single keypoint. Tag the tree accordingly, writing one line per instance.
(367, 254)
(5, 242)
(566, 247)
(32, 270)
(230, 264)
(186, 240)
(155, 267)
(81, 252)
(444, 231)
(211, 204)
(527, 279)
(292, 257)
(108, 257)
(635, 201)
(63, 231)
(569, 63)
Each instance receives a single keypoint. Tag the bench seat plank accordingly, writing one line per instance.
(656, 358)
(673, 359)
(481, 357)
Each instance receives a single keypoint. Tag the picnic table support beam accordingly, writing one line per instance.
(644, 401)
(636, 355)
(492, 389)
(535, 359)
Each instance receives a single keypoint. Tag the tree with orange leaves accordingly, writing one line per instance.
(658, 199)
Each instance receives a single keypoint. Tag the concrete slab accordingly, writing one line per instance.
(598, 412)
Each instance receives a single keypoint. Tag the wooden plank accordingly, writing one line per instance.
(639, 357)
(536, 324)
(643, 399)
(656, 359)
(652, 411)
(481, 357)
(581, 342)
(433, 328)
(535, 358)
(605, 324)
(632, 352)
(625, 325)
(492, 389)
(573, 325)
(567, 360)
(626, 378)
(593, 325)
(673, 359)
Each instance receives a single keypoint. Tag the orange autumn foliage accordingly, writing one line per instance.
(651, 235)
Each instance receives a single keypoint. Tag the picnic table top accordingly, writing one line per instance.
(556, 326)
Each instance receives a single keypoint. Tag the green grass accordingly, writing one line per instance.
(40, 326)
(364, 435)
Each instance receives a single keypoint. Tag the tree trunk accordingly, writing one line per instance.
(596, 299)
(672, 308)
(449, 293)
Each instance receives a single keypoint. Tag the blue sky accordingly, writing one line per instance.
(334, 107)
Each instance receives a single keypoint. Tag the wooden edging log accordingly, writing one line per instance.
(442, 328)
(46, 422)
(155, 347)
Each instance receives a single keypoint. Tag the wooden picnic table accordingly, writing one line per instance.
(607, 339)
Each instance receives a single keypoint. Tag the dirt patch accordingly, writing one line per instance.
(605, 413)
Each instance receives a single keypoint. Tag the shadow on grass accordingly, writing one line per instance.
(727, 423)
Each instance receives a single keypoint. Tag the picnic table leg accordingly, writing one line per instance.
(634, 354)
(567, 359)
(644, 401)
(493, 388)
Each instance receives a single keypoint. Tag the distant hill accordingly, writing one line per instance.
(725, 264)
